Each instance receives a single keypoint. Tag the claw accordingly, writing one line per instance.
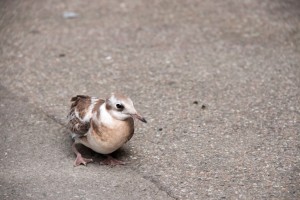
(81, 160)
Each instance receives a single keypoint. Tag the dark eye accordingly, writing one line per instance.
(119, 106)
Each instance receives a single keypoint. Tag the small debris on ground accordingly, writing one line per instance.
(70, 15)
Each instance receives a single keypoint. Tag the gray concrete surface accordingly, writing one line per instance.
(217, 80)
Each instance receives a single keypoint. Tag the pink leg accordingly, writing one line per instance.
(111, 161)
(79, 159)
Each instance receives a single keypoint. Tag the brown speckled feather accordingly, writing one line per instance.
(78, 122)
(81, 103)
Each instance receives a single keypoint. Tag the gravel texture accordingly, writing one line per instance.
(218, 82)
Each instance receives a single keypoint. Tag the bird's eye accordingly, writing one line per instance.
(119, 106)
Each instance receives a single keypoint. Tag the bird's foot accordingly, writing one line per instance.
(81, 160)
(112, 161)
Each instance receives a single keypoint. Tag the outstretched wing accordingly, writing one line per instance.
(81, 111)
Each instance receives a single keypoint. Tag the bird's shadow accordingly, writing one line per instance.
(122, 153)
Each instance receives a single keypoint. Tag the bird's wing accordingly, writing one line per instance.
(81, 111)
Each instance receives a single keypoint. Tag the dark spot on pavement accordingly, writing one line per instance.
(35, 31)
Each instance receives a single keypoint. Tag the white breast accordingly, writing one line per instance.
(103, 147)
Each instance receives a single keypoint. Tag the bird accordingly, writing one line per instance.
(102, 125)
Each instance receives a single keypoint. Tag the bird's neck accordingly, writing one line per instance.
(105, 117)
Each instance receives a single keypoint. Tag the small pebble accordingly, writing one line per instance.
(62, 55)
(203, 107)
(195, 102)
(160, 129)
(70, 15)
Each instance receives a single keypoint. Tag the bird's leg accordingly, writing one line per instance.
(111, 161)
(79, 159)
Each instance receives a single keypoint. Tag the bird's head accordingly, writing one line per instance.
(121, 108)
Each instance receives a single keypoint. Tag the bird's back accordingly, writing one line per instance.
(81, 111)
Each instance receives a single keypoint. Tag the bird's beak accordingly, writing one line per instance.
(139, 117)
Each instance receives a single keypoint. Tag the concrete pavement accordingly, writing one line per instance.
(218, 82)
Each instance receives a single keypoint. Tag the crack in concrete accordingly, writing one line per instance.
(160, 186)
(52, 117)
